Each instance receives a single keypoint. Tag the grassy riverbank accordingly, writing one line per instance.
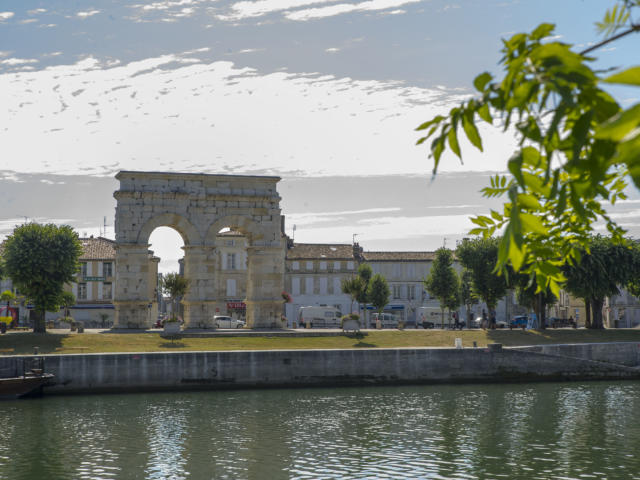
(23, 343)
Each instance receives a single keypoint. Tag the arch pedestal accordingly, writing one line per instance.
(265, 284)
(133, 292)
(200, 302)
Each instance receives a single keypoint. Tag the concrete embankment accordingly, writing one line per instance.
(127, 372)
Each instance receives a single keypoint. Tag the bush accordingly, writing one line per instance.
(350, 316)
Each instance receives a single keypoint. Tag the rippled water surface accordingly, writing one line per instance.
(477, 431)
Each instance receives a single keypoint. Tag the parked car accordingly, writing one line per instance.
(224, 321)
(387, 320)
(519, 321)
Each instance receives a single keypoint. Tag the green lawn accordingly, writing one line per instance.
(23, 342)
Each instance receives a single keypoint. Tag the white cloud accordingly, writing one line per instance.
(18, 61)
(332, 10)
(35, 11)
(4, 53)
(160, 114)
(27, 21)
(89, 13)
(6, 16)
(246, 9)
(332, 50)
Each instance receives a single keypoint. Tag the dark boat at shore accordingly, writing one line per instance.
(29, 384)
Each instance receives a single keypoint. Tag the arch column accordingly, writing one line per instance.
(131, 298)
(265, 283)
(200, 301)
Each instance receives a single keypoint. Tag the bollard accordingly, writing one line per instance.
(458, 343)
(35, 350)
(475, 344)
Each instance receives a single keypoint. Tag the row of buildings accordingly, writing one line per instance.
(313, 276)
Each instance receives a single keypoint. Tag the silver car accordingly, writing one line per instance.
(224, 321)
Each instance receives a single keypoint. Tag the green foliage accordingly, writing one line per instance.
(40, 259)
(467, 296)
(378, 292)
(7, 296)
(576, 146)
(633, 285)
(442, 282)
(175, 286)
(364, 273)
(353, 286)
(604, 265)
(478, 256)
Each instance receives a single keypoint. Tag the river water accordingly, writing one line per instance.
(528, 431)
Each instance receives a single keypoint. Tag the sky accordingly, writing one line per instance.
(325, 94)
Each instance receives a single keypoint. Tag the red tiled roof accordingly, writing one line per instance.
(98, 248)
(398, 256)
(320, 251)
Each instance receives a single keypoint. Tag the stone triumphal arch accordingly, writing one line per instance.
(198, 206)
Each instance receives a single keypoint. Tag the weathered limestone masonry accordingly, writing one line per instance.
(198, 206)
(121, 372)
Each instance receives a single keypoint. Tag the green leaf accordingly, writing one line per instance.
(531, 223)
(542, 30)
(483, 112)
(434, 120)
(619, 126)
(471, 130)
(480, 82)
(630, 76)
(452, 137)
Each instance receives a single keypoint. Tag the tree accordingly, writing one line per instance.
(467, 295)
(633, 286)
(175, 286)
(378, 292)
(352, 286)
(479, 257)
(603, 267)
(453, 301)
(442, 282)
(365, 273)
(533, 298)
(576, 146)
(40, 259)
(7, 296)
(67, 300)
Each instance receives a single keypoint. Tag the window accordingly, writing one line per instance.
(411, 271)
(397, 270)
(411, 292)
(107, 269)
(396, 291)
(295, 266)
(309, 265)
(231, 261)
(336, 265)
(295, 286)
(229, 243)
(323, 285)
(231, 287)
(308, 287)
(337, 287)
(83, 270)
(107, 291)
(82, 291)
(323, 265)
(350, 266)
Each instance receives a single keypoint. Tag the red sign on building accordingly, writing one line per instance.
(236, 305)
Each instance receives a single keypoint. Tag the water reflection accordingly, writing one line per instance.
(474, 431)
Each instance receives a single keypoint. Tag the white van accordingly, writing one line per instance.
(387, 320)
(319, 317)
(430, 317)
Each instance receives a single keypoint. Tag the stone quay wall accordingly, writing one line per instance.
(131, 372)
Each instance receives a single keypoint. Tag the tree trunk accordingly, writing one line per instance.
(38, 324)
(587, 308)
(596, 307)
(540, 312)
(442, 318)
